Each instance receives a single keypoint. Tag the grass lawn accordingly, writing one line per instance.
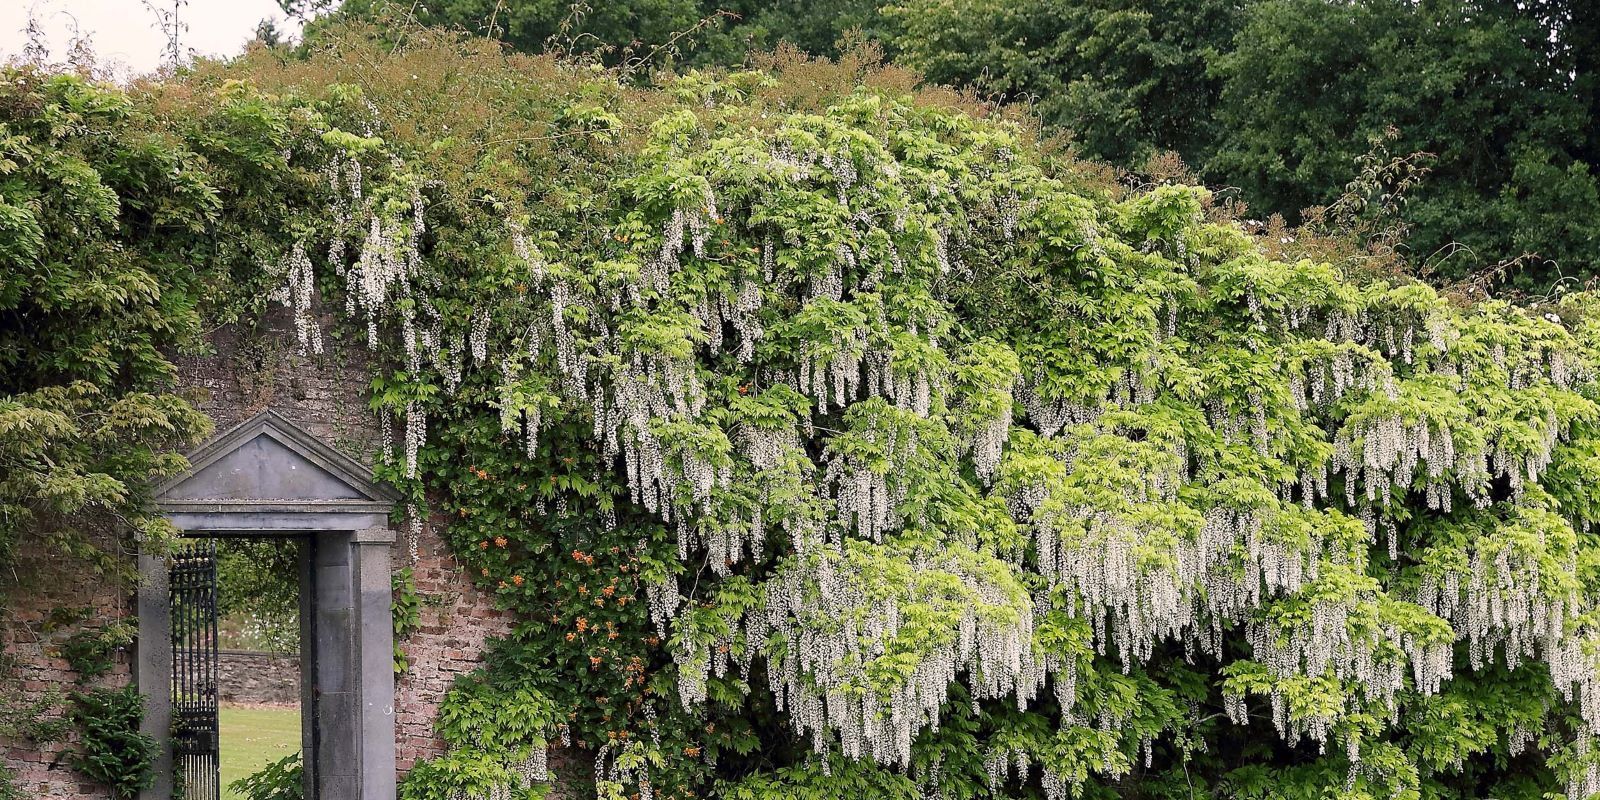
(255, 736)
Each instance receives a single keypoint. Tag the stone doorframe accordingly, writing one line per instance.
(269, 477)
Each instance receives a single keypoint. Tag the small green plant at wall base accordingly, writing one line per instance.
(8, 785)
(111, 750)
(283, 779)
(496, 729)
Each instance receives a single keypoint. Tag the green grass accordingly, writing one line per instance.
(253, 737)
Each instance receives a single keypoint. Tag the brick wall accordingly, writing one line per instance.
(252, 369)
(41, 592)
(455, 620)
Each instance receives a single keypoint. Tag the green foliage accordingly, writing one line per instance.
(495, 725)
(8, 785)
(1280, 97)
(1511, 171)
(825, 439)
(91, 652)
(283, 779)
(407, 614)
(110, 748)
(655, 32)
(1125, 78)
(258, 590)
(98, 212)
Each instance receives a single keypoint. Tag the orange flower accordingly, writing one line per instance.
(612, 635)
(571, 636)
(500, 541)
(691, 751)
(594, 661)
(484, 545)
(502, 584)
(583, 623)
(516, 579)
(583, 590)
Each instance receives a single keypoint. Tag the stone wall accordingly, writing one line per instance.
(252, 678)
(252, 369)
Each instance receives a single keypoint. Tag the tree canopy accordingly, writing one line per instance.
(1278, 98)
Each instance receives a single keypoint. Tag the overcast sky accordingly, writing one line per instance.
(125, 33)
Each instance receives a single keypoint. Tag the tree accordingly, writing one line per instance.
(1489, 89)
(96, 211)
(661, 31)
(1125, 78)
(1280, 98)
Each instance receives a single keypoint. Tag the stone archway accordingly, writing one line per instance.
(269, 477)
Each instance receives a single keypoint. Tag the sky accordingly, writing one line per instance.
(125, 33)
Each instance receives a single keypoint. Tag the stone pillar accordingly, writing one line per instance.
(375, 646)
(338, 754)
(306, 563)
(353, 633)
(152, 668)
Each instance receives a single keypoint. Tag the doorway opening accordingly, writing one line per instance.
(259, 680)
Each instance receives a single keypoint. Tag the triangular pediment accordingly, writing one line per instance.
(269, 460)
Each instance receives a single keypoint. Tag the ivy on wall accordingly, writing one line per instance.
(831, 438)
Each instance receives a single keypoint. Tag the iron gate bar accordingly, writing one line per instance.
(193, 591)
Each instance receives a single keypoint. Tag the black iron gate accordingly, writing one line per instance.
(194, 670)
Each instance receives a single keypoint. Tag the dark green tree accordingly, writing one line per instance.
(1281, 98)
(1494, 90)
(698, 32)
(1127, 77)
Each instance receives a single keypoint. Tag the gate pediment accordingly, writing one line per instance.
(269, 474)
